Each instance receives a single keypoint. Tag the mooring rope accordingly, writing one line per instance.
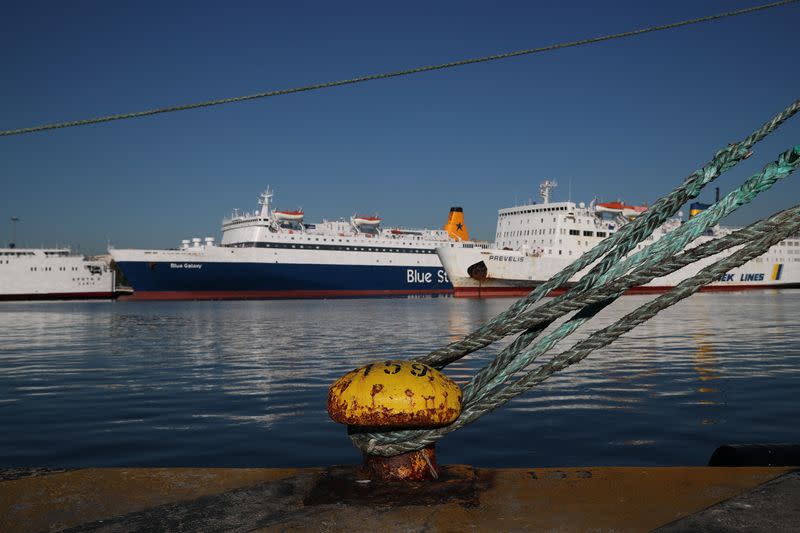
(654, 255)
(607, 280)
(619, 243)
(754, 241)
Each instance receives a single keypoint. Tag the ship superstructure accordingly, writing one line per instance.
(536, 241)
(273, 253)
(52, 274)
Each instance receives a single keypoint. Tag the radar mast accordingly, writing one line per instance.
(544, 190)
(264, 201)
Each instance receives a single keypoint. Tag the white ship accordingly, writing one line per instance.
(536, 241)
(274, 253)
(52, 274)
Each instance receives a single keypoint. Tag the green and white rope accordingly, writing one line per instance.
(614, 247)
(606, 281)
(754, 241)
(662, 250)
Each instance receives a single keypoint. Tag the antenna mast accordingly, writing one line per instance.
(544, 190)
(264, 200)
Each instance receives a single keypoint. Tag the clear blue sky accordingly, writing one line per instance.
(626, 119)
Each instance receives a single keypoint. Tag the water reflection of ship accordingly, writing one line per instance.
(706, 364)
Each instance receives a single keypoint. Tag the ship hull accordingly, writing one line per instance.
(53, 274)
(494, 291)
(215, 280)
(513, 274)
(278, 295)
(107, 295)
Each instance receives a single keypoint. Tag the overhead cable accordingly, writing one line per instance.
(395, 74)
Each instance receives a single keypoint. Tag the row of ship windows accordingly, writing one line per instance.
(370, 235)
(586, 233)
(568, 217)
(790, 252)
(549, 242)
(549, 251)
(330, 247)
(49, 269)
(638, 247)
(537, 210)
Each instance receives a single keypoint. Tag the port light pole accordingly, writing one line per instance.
(14, 221)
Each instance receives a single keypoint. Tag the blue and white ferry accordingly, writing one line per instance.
(275, 254)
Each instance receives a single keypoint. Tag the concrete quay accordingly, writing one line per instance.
(668, 499)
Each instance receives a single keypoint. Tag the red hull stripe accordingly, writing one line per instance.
(265, 295)
(491, 292)
(59, 296)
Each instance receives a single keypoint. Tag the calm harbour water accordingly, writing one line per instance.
(245, 383)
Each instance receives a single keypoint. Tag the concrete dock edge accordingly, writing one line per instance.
(464, 499)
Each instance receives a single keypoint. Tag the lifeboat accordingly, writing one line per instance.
(621, 209)
(404, 232)
(288, 215)
(610, 207)
(368, 222)
(633, 210)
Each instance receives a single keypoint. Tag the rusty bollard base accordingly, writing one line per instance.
(419, 465)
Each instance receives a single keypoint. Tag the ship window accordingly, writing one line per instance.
(574, 232)
(601, 233)
(588, 233)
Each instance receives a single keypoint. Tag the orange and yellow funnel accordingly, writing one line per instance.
(455, 225)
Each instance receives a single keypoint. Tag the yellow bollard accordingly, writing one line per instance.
(397, 395)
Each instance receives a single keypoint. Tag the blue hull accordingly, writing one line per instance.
(169, 280)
